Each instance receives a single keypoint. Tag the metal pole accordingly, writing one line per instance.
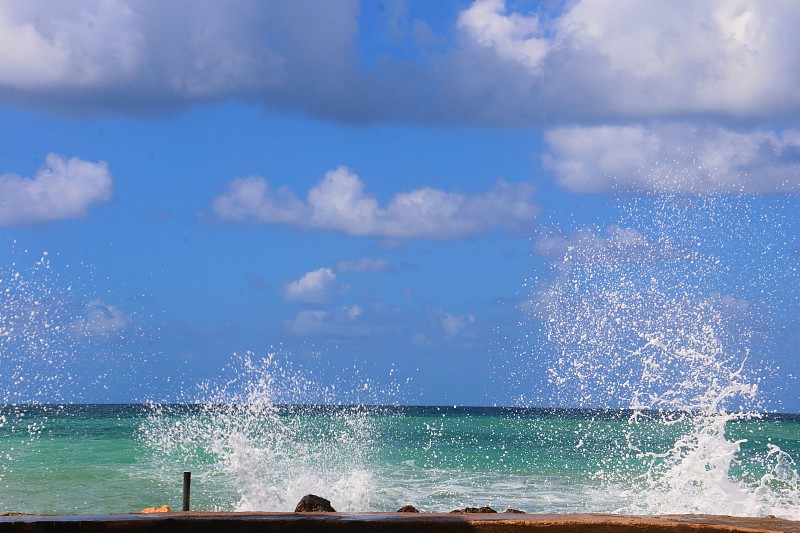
(187, 489)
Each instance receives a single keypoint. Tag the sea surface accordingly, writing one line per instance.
(77, 459)
(652, 320)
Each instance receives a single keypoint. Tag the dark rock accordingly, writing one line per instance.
(467, 510)
(311, 503)
(408, 509)
(513, 511)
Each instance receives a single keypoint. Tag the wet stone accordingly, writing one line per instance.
(408, 509)
(469, 510)
(311, 503)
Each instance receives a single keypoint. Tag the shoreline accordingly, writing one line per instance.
(247, 522)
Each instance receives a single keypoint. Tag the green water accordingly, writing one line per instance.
(117, 459)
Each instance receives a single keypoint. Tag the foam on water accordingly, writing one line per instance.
(655, 316)
(261, 437)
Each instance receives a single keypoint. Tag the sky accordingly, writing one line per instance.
(380, 191)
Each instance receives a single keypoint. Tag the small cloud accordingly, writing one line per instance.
(340, 203)
(102, 319)
(340, 322)
(62, 189)
(362, 265)
(455, 326)
(317, 286)
(352, 312)
(421, 339)
(445, 328)
(308, 322)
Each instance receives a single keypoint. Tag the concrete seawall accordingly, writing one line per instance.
(198, 522)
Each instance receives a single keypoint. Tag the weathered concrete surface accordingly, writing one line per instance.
(197, 522)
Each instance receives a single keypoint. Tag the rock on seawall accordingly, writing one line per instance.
(311, 503)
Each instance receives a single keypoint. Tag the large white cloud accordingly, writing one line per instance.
(611, 59)
(138, 54)
(566, 64)
(587, 60)
(674, 157)
(340, 203)
(62, 189)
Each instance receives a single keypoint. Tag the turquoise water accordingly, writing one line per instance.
(644, 318)
(122, 458)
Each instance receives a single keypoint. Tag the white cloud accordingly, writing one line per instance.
(84, 44)
(586, 60)
(340, 203)
(456, 325)
(513, 36)
(363, 264)
(152, 53)
(63, 189)
(352, 312)
(103, 319)
(445, 328)
(318, 286)
(674, 157)
(610, 59)
(251, 198)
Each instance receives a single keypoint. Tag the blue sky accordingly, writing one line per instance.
(389, 186)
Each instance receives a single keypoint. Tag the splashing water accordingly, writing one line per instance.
(656, 317)
(59, 343)
(268, 436)
(34, 344)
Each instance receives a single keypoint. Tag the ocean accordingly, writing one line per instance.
(651, 324)
(77, 459)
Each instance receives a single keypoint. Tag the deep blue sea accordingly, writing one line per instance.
(259, 456)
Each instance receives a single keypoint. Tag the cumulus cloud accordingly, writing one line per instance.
(62, 189)
(674, 158)
(612, 60)
(515, 37)
(503, 65)
(341, 203)
(580, 63)
(318, 286)
(140, 54)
